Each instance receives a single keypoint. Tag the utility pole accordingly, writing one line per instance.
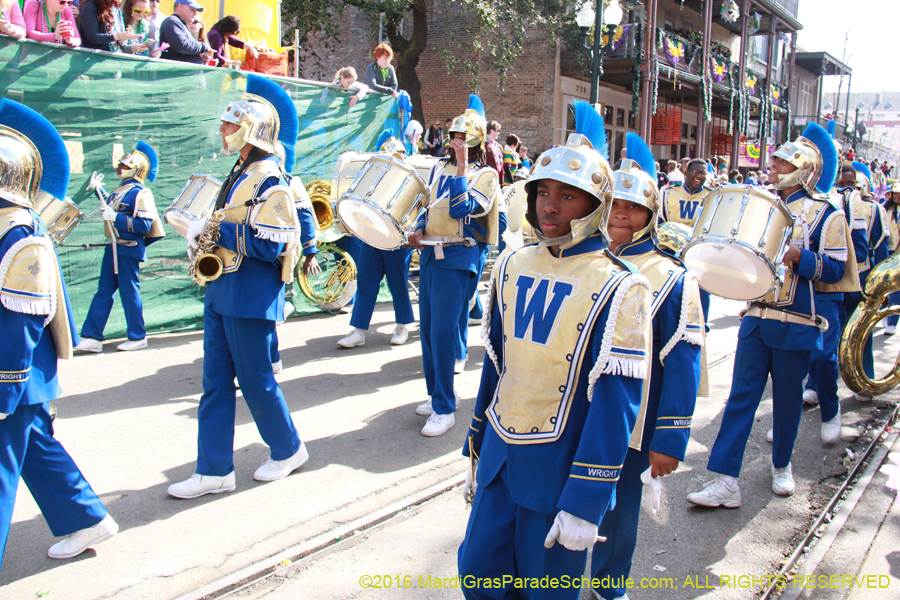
(837, 96)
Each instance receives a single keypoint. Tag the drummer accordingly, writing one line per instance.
(131, 214)
(681, 204)
(462, 186)
(373, 265)
(778, 334)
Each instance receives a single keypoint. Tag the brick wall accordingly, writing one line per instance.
(523, 105)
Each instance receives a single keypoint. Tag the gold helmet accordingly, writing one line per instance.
(32, 156)
(388, 144)
(265, 115)
(142, 163)
(863, 178)
(581, 163)
(635, 181)
(895, 187)
(815, 157)
(472, 123)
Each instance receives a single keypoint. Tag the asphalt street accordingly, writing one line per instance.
(129, 420)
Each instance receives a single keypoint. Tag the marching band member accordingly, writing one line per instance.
(243, 304)
(37, 329)
(669, 398)
(131, 211)
(892, 211)
(567, 340)
(778, 334)
(681, 203)
(464, 194)
(372, 266)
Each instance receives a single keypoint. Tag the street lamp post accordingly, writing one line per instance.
(611, 15)
(856, 125)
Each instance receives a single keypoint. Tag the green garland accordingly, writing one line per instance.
(636, 70)
(787, 99)
(655, 71)
(730, 98)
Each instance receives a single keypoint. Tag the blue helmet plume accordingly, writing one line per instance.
(49, 144)
(476, 104)
(589, 123)
(145, 149)
(821, 140)
(385, 136)
(830, 127)
(865, 170)
(287, 113)
(637, 150)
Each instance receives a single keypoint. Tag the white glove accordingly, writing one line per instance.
(109, 213)
(469, 487)
(570, 531)
(193, 232)
(3, 416)
(650, 499)
(95, 182)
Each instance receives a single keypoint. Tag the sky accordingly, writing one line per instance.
(872, 24)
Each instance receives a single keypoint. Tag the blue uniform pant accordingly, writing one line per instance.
(851, 301)
(442, 298)
(611, 560)
(129, 287)
(28, 449)
(477, 312)
(373, 266)
(823, 366)
(505, 539)
(274, 354)
(351, 245)
(239, 347)
(704, 304)
(894, 299)
(754, 361)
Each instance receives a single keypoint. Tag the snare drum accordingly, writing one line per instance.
(738, 242)
(60, 216)
(423, 164)
(195, 202)
(346, 168)
(382, 205)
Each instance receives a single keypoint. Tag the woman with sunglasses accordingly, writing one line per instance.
(136, 13)
(51, 21)
(102, 25)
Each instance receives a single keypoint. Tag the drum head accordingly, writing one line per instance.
(369, 223)
(729, 270)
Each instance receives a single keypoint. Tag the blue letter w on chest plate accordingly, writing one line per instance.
(541, 300)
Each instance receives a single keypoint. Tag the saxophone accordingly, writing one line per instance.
(205, 265)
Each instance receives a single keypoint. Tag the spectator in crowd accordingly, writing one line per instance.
(662, 180)
(156, 19)
(223, 34)
(510, 158)
(446, 144)
(674, 175)
(492, 152)
(12, 23)
(39, 15)
(346, 78)
(136, 13)
(380, 75)
(752, 178)
(102, 27)
(434, 139)
(198, 29)
(733, 176)
(850, 154)
(523, 157)
(683, 162)
(176, 33)
(413, 133)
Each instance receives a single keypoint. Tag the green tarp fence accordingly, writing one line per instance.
(103, 103)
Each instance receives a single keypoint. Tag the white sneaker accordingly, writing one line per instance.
(132, 345)
(782, 481)
(200, 485)
(865, 396)
(770, 435)
(810, 397)
(288, 310)
(353, 339)
(889, 330)
(272, 470)
(460, 365)
(78, 542)
(831, 429)
(438, 425)
(425, 408)
(401, 334)
(89, 345)
(277, 367)
(717, 493)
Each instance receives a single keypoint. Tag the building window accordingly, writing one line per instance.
(620, 117)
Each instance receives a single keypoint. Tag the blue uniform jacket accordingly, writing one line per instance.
(456, 257)
(307, 231)
(547, 477)
(255, 290)
(129, 227)
(673, 389)
(813, 266)
(859, 236)
(27, 346)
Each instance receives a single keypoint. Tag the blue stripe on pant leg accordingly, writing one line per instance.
(446, 298)
(248, 341)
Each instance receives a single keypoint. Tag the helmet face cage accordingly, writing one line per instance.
(634, 185)
(20, 168)
(804, 155)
